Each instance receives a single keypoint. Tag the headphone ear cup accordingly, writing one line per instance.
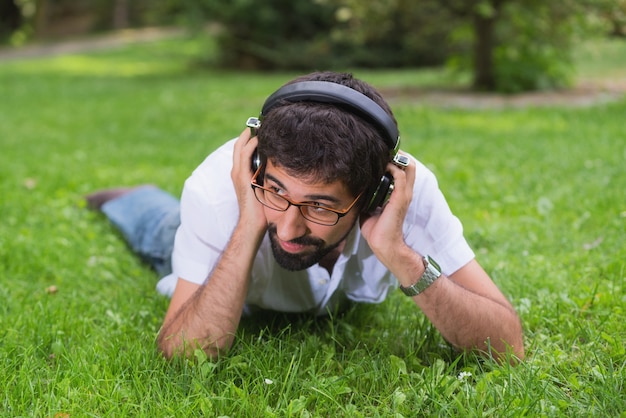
(256, 161)
(381, 194)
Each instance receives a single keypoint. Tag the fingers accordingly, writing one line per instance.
(250, 210)
(384, 229)
(403, 177)
(243, 139)
(243, 150)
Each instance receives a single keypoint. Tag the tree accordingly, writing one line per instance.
(393, 33)
(484, 16)
(313, 34)
(10, 18)
(613, 14)
(268, 34)
(518, 45)
(121, 14)
(507, 45)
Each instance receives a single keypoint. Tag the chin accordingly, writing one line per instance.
(295, 262)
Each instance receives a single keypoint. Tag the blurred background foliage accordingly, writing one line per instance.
(507, 45)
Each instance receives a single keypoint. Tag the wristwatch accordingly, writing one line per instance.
(432, 273)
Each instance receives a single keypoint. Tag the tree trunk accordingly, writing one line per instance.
(484, 45)
(484, 21)
(41, 17)
(120, 14)
(10, 18)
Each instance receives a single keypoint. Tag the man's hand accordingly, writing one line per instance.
(383, 230)
(207, 316)
(251, 211)
(467, 307)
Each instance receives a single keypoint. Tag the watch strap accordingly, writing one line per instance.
(431, 273)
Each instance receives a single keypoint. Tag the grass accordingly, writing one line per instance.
(540, 191)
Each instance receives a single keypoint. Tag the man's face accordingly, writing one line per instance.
(298, 243)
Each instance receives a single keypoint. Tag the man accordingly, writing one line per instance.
(312, 207)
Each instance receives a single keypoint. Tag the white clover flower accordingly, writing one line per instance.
(464, 375)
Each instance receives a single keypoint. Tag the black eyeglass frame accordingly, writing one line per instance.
(340, 213)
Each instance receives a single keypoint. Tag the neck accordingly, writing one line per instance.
(329, 260)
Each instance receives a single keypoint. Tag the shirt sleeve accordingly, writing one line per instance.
(431, 228)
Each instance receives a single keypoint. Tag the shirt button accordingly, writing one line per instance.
(322, 282)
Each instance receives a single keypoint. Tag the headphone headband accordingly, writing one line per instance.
(334, 93)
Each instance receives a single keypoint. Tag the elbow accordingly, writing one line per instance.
(517, 348)
(175, 346)
(506, 352)
(168, 347)
(506, 344)
(504, 347)
(511, 349)
(516, 343)
(512, 354)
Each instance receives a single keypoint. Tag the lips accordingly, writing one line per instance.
(292, 247)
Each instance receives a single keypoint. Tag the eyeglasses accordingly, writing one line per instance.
(313, 212)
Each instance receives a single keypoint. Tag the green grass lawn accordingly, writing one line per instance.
(541, 192)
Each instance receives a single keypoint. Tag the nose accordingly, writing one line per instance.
(291, 224)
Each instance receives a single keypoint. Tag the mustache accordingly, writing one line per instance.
(304, 240)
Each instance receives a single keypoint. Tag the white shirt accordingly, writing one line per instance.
(209, 213)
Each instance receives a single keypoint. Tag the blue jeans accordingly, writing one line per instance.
(148, 218)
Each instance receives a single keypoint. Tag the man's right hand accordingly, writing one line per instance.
(251, 213)
(207, 316)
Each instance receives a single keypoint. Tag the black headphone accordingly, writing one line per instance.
(353, 101)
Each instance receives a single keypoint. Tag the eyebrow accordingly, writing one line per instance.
(312, 197)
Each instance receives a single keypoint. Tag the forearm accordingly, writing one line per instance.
(210, 318)
(470, 321)
(468, 309)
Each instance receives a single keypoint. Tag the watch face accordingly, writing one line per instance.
(432, 263)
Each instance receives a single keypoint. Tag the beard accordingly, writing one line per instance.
(305, 259)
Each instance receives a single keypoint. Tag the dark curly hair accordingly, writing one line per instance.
(324, 142)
